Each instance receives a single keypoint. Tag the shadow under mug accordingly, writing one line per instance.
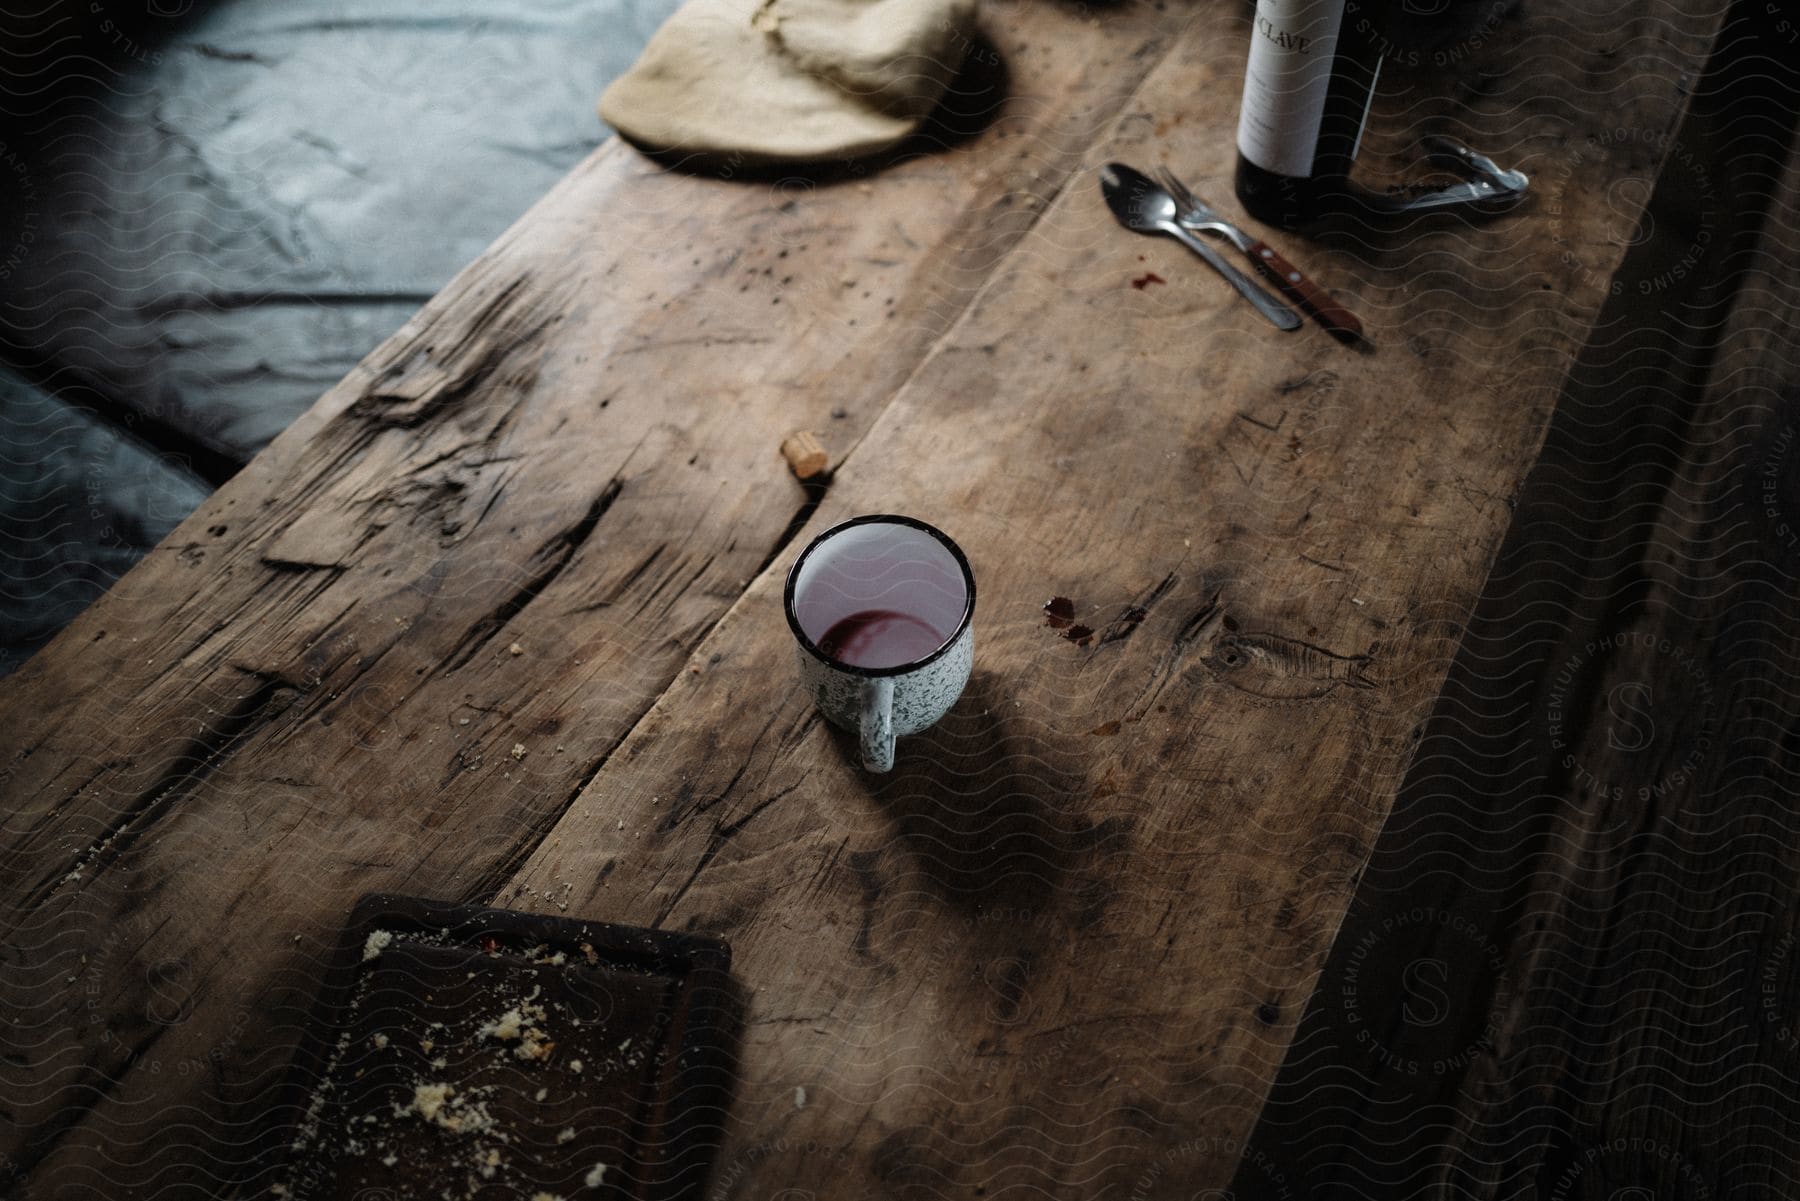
(883, 609)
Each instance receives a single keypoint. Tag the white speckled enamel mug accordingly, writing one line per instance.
(883, 609)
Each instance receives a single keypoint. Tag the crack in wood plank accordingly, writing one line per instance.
(551, 559)
(187, 769)
(722, 833)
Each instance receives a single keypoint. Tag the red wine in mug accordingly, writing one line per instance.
(880, 595)
(880, 638)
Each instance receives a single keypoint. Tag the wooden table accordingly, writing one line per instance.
(499, 621)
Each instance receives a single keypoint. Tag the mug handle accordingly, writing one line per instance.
(877, 725)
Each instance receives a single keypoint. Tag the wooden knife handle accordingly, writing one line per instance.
(1338, 320)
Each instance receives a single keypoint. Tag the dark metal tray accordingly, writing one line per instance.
(465, 1052)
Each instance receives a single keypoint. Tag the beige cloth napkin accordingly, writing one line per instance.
(790, 81)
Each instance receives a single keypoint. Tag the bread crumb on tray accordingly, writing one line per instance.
(440, 1105)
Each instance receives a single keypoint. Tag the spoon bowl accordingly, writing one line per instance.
(1141, 204)
(1136, 200)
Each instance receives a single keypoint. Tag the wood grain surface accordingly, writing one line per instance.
(499, 620)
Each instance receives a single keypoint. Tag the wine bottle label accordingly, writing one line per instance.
(1292, 44)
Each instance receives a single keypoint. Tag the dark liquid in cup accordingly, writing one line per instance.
(880, 638)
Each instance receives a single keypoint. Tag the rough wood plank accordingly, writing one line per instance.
(1570, 966)
(1063, 947)
(309, 691)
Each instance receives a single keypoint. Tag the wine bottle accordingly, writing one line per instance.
(1307, 89)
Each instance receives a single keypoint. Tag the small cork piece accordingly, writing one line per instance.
(805, 454)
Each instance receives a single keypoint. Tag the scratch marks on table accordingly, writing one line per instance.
(1245, 450)
(543, 567)
(1319, 380)
(1132, 616)
(722, 833)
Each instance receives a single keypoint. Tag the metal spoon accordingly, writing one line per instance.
(1142, 206)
